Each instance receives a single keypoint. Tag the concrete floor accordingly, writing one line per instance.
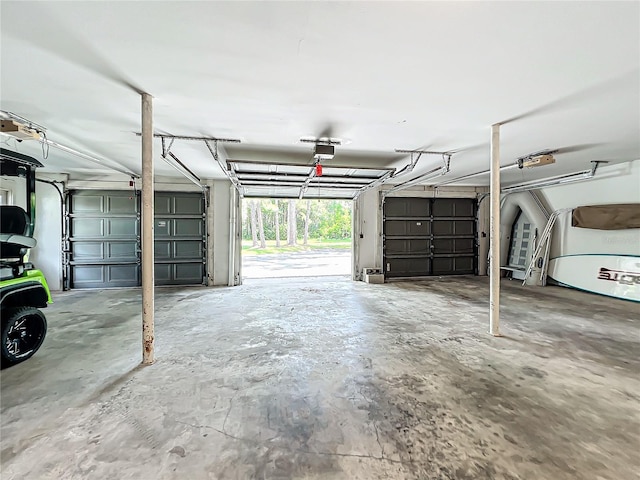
(326, 378)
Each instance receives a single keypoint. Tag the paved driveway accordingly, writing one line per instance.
(297, 264)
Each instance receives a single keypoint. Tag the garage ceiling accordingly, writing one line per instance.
(378, 75)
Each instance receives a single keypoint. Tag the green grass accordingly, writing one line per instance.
(314, 244)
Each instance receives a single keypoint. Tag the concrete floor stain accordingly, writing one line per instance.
(342, 380)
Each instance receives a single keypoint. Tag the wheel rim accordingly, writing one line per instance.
(23, 335)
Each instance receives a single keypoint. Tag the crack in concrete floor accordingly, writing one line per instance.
(328, 378)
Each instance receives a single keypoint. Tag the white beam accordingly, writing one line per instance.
(494, 279)
(147, 231)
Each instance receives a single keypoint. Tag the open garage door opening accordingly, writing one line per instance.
(296, 238)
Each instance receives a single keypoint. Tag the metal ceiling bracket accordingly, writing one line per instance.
(415, 155)
(228, 171)
(375, 183)
(166, 149)
(426, 152)
(177, 160)
(322, 141)
(414, 181)
(166, 152)
(446, 163)
(306, 183)
(192, 138)
(557, 180)
(167, 155)
(182, 168)
(595, 164)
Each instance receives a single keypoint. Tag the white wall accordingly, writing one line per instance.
(366, 218)
(368, 222)
(615, 184)
(47, 255)
(219, 244)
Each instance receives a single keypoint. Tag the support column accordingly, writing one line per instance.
(147, 231)
(494, 295)
(233, 201)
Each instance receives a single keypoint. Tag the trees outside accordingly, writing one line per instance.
(317, 220)
(263, 243)
(335, 222)
(253, 205)
(292, 228)
(277, 217)
(306, 223)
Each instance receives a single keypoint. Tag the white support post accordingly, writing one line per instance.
(233, 212)
(494, 280)
(355, 242)
(147, 232)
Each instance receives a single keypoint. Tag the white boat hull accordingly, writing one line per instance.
(612, 275)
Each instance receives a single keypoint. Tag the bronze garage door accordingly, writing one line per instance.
(429, 236)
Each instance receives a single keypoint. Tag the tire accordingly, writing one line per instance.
(23, 331)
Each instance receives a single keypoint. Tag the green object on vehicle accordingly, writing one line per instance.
(29, 275)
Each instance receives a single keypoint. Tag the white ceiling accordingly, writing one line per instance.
(380, 75)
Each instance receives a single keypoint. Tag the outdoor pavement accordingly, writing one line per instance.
(297, 264)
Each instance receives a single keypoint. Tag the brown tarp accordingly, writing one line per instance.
(607, 217)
